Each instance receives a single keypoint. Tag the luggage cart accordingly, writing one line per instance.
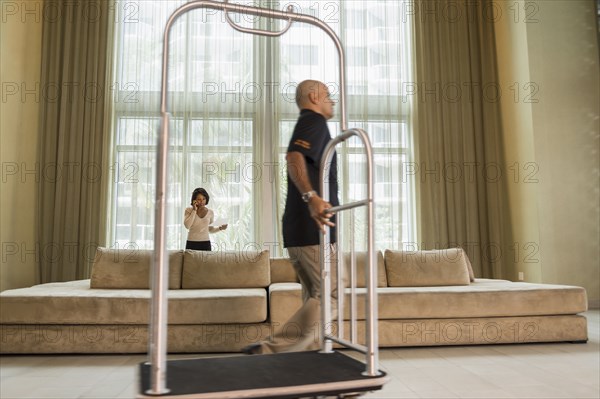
(283, 375)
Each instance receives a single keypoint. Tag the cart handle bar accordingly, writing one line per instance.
(290, 9)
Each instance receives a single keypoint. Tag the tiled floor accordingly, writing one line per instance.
(491, 371)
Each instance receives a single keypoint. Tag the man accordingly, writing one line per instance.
(305, 218)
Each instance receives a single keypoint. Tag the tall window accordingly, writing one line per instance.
(232, 103)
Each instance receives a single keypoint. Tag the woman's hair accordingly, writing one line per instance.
(197, 191)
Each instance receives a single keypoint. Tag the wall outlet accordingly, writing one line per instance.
(521, 276)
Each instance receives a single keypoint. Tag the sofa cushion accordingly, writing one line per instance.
(284, 300)
(361, 261)
(123, 268)
(282, 271)
(483, 298)
(469, 267)
(222, 269)
(74, 302)
(427, 268)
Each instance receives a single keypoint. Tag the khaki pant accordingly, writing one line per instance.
(302, 331)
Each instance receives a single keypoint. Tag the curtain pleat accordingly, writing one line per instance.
(71, 135)
(459, 150)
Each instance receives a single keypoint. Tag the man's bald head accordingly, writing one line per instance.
(307, 88)
(314, 95)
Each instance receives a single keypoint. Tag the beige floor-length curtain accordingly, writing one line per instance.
(458, 153)
(73, 91)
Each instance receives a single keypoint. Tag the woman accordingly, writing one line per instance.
(198, 220)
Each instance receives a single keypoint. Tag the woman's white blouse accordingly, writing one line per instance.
(199, 228)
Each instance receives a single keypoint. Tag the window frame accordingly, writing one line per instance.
(270, 153)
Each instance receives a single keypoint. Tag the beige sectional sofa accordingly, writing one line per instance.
(221, 302)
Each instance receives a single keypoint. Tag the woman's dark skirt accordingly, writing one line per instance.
(198, 245)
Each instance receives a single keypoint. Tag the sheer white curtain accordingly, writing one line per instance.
(232, 101)
(376, 38)
(211, 129)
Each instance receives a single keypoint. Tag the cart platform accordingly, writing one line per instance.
(282, 375)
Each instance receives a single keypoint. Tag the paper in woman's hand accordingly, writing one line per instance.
(220, 222)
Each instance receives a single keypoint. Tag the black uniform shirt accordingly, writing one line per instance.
(310, 138)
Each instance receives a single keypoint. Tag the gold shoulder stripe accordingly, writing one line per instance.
(302, 143)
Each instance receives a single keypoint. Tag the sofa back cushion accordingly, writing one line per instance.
(361, 261)
(130, 268)
(282, 271)
(427, 268)
(223, 269)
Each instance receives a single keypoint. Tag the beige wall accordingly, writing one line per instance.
(551, 143)
(20, 57)
(552, 49)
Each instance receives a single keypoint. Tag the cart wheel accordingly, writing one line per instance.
(350, 395)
